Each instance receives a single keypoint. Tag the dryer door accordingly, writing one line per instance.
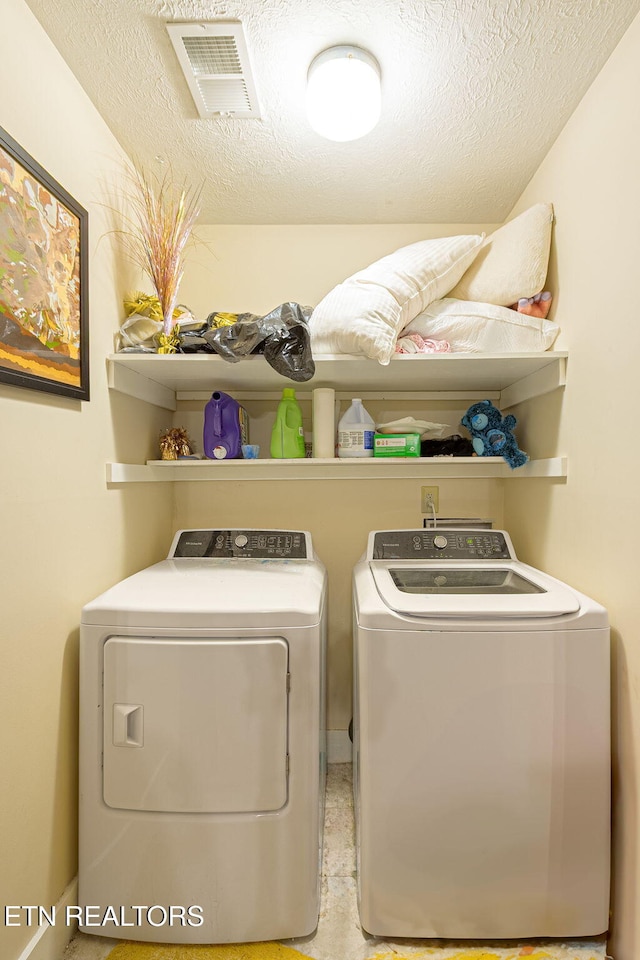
(195, 726)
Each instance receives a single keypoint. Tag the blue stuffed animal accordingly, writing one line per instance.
(491, 433)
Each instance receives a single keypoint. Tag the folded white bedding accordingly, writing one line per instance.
(363, 314)
(472, 327)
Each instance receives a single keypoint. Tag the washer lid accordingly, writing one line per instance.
(484, 589)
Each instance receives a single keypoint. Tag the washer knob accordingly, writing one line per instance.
(241, 540)
(440, 542)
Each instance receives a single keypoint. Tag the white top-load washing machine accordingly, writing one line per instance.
(202, 743)
(481, 742)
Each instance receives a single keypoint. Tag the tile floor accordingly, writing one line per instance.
(339, 935)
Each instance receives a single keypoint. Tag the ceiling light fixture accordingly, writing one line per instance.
(343, 93)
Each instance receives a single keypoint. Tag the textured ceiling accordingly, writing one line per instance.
(474, 94)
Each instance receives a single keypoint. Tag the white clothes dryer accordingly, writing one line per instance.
(202, 743)
(481, 742)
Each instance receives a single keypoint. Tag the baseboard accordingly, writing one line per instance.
(338, 746)
(49, 942)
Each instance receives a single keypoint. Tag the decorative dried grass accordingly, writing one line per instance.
(157, 227)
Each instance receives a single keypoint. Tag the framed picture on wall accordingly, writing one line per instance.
(44, 332)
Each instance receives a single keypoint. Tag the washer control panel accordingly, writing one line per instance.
(257, 544)
(440, 545)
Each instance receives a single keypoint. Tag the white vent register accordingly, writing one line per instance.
(215, 61)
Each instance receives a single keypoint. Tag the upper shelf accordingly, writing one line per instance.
(508, 378)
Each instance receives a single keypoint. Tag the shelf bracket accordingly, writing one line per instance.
(134, 384)
(544, 380)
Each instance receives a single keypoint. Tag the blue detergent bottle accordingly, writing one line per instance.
(226, 427)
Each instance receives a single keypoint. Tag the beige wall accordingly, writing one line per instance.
(65, 536)
(252, 269)
(587, 531)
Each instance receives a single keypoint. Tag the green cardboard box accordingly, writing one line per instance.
(396, 445)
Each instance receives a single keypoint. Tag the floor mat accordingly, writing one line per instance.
(555, 951)
(278, 951)
(224, 951)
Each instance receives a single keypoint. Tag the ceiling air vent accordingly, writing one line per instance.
(215, 62)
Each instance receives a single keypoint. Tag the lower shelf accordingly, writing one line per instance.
(391, 468)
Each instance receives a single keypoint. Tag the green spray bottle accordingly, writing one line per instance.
(287, 436)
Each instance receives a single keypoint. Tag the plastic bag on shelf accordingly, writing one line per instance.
(282, 336)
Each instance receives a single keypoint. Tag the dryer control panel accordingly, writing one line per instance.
(445, 544)
(257, 544)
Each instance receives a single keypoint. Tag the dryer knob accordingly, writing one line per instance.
(440, 542)
(241, 540)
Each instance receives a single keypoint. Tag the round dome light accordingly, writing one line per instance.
(343, 93)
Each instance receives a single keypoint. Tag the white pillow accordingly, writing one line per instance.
(483, 328)
(364, 314)
(512, 261)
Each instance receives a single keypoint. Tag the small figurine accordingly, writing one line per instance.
(491, 433)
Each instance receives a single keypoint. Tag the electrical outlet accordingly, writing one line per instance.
(428, 498)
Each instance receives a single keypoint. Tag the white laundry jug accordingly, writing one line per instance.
(355, 432)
